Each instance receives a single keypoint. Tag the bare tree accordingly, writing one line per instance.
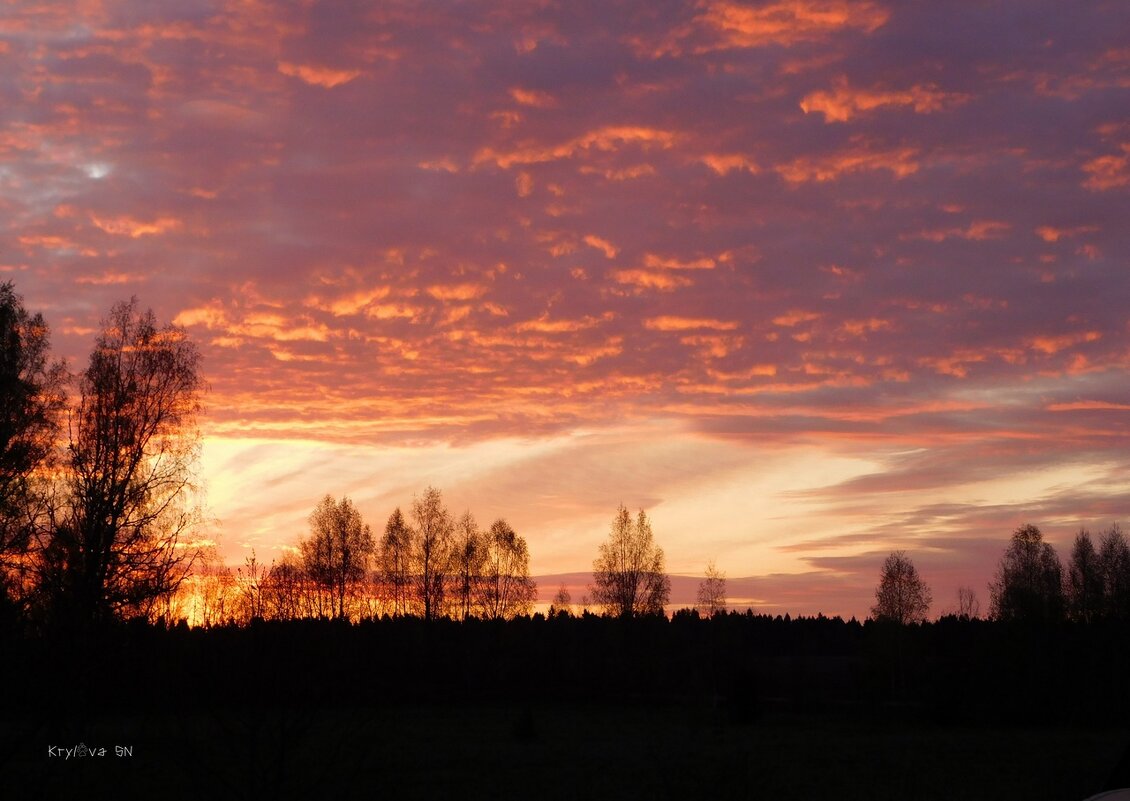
(1114, 567)
(32, 399)
(628, 577)
(1029, 580)
(115, 544)
(250, 580)
(395, 561)
(1084, 580)
(902, 596)
(508, 589)
(468, 557)
(712, 591)
(336, 555)
(431, 552)
(968, 606)
(562, 602)
(283, 590)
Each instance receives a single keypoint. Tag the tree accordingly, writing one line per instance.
(508, 589)
(468, 557)
(628, 577)
(1029, 580)
(114, 545)
(1084, 580)
(395, 561)
(431, 552)
(712, 592)
(1114, 567)
(562, 602)
(968, 605)
(336, 556)
(902, 596)
(283, 591)
(32, 399)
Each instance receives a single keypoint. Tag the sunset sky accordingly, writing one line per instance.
(807, 280)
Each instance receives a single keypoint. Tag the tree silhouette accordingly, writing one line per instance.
(712, 591)
(114, 545)
(628, 577)
(508, 589)
(31, 400)
(1084, 580)
(562, 602)
(468, 557)
(336, 556)
(1114, 567)
(902, 596)
(1029, 580)
(968, 605)
(395, 562)
(431, 555)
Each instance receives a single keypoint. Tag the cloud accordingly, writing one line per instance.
(861, 227)
(318, 76)
(844, 102)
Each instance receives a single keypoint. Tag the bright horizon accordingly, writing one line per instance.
(809, 281)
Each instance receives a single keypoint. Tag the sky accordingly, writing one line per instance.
(807, 280)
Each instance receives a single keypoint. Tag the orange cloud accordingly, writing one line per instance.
(133, 228)
(1088, 405)
(532, 97)
(609, 138)
(843, 102)
(108, 279)
(325, 77)
(647, 279)
(859, 328)
(660, 262)
(670, 323)
(901, 162)
(544, 325)
(978, 230)
(1052, 345)
(795, 317)
(788, 22)
(723, 164)
(602, 245)
(1108, 172)
(1050, 233)
(456, 291)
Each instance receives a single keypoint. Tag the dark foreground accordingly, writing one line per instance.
(551, 753)
(742, 707)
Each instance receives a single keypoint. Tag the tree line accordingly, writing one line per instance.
(1030, 583)
(426, 564)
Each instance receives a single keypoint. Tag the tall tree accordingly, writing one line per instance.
(115, 544)
(395, 561)
(468, 557)
(1084, 580)
(32, 398)
(508, 589)
(902, 596)
(431, 552)
(1114, 566)
(628, 577)
(968, 605)
(1029, 580)
(337, 553)
(712, 591)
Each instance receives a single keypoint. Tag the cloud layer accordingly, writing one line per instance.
(871, 228)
